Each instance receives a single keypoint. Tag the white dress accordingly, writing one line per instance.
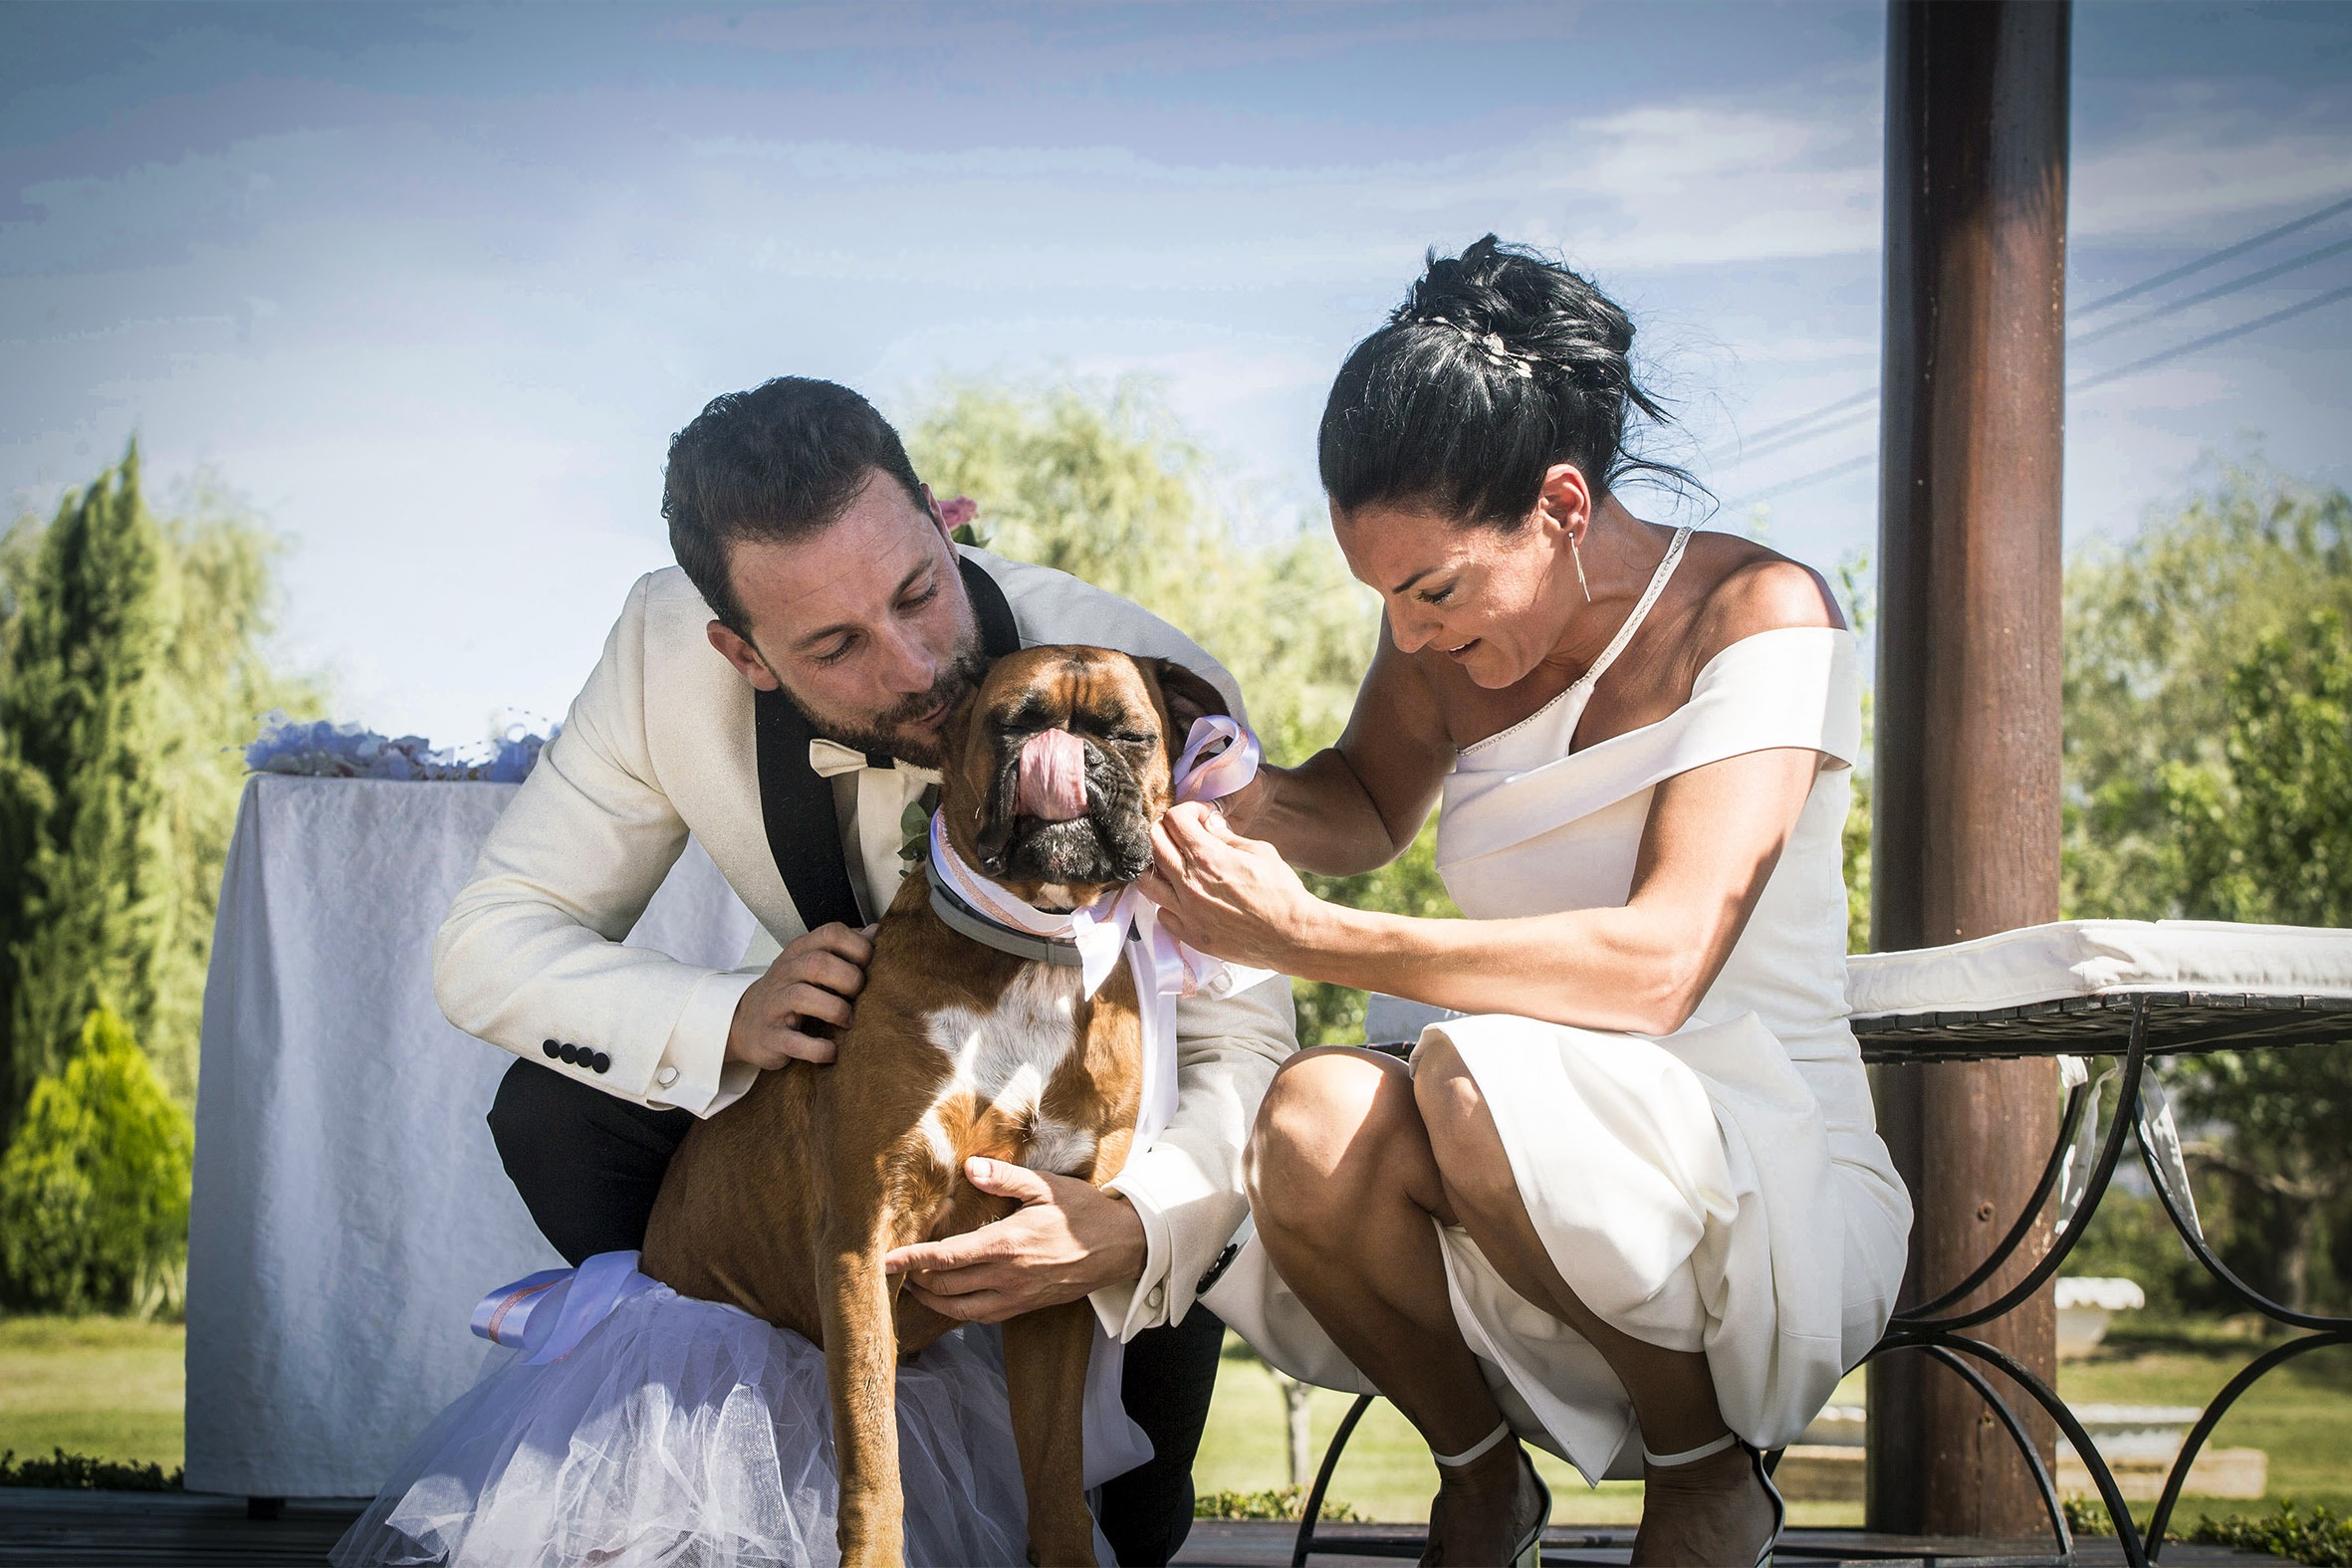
(1721, 1189)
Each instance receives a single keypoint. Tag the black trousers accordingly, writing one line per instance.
(589, 1166)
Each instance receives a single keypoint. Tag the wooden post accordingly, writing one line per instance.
(1966, 830)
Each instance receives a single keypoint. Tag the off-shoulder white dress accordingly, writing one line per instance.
(1720, 1189)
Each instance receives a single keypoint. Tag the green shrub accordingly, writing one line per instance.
(2088, 1516)
(1282, 1502)
(93, 1191)
(2322, 1537)
(81, 1472)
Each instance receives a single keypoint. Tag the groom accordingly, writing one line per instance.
(782, 696)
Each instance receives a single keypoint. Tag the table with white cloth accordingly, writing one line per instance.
(2127, 991)
(349, 1208)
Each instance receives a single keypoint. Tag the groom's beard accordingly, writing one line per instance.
(891, 732)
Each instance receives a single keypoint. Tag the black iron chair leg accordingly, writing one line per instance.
(2275, 1356)
(2042, 1482)
(1307, 1516)
(2079, 1104)
(1914, 1319)
(1934, 1340)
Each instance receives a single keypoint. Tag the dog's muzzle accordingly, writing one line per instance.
(1069, 811)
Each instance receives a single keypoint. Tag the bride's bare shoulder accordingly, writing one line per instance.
(1750, 587)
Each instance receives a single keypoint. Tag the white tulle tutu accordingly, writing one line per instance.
(688, 1435)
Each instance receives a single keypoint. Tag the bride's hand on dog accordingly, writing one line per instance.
(806, 990)
(1065, 1241)
(1231, 897)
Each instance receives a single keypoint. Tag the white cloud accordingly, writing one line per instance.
(2194, 160)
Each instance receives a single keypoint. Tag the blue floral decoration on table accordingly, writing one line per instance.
(322, 748)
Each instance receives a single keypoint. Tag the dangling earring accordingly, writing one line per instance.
(1578, 557)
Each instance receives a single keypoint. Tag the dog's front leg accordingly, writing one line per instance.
(1046, 1379)
(862, 1369)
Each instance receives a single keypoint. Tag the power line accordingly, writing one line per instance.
(1865, 395)
(2211, 339)
(2173, 275)
(2218, 290)
(2317, 301)
(1815, 476)
(2226, 253)
(1765, 438)
(1749, 454)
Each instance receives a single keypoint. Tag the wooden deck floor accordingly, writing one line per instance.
(69, 1530)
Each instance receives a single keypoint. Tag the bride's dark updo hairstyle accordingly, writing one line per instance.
(1499, 365)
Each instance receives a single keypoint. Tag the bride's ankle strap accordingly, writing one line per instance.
(1688, 1455)
(1476, 1450)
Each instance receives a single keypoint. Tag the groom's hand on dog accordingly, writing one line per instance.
(1067, 1239)
(791, 1012)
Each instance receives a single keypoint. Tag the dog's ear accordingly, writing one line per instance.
(1186, 696)
(957, 731)
(974, 784)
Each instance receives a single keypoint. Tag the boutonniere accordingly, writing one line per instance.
(915, 823)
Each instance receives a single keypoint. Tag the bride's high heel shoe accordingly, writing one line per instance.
(1529, 1553)
(1708, 1451)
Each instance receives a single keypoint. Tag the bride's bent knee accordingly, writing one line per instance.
(1325, 1133)
(1446, 1092)
(1460, 1129)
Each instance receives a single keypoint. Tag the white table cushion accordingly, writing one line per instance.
(2094, 958)
(2069, 957)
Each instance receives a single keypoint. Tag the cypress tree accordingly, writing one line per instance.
(85, 874)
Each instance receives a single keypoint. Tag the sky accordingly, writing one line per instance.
(431, 287)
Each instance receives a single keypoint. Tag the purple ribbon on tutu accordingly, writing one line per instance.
(546, 1315)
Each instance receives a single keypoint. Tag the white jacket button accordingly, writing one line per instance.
(666, 1077)
(1158, 1297)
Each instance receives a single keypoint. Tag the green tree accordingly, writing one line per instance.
(1857, 590)
(2153, 629)
(2268, 838)
(93, 1191)
(85, 909)
(2200, 781)
(131, 672)
(1103, 484)
(1100, 484)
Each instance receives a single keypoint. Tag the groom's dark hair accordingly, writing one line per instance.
(777, 462)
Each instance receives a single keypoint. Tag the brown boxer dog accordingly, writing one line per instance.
(784, 1202)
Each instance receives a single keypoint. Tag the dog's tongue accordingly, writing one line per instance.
(1053, 777)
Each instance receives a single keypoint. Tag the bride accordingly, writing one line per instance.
(1634, 1199)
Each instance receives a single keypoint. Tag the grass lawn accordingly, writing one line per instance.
(112, 1388)
(108, 1387)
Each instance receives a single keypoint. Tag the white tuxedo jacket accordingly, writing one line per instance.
(659, 743)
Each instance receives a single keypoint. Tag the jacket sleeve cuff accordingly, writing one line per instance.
(1187, 1219)
(694, 1073)
(1129, 1307)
